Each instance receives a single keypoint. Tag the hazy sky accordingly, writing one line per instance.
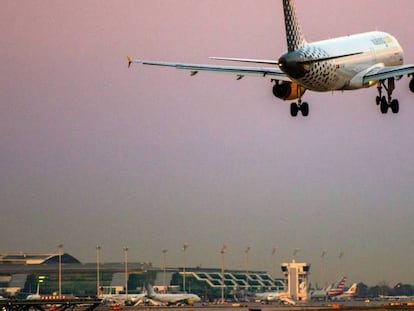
(95, 153)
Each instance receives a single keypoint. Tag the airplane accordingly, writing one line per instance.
(267, 297)
(171, 299)
(346, 63)
(350, 293)
(131, 299)
(403, 297)
(325, 294)
(338, 289)
(276, 296)
(35, 296)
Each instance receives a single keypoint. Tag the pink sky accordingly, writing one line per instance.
(151, 157)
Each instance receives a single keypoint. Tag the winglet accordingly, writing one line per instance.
(129, 61)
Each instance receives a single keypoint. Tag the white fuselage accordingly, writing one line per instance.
(271, 296)
(176, 298)
(362, 53)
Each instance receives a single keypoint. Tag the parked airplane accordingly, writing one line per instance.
(280, 297)
(350, 293)
(338, 289)
(35, 296)
(403, 297)
(131, 299)
(267, 297)
(325, 294)
(345, 63)
(171, 299)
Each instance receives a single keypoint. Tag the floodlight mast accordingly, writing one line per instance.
(164, 252)
(185, 246)
(222, 252)
(98, 253)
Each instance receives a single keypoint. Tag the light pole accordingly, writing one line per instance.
(295, 252)
(164, 252)
(222, 252)
(247, 269)
(40, 280)
(274, 251)
(341, 254)
(126, 271)
(324, 252)
(60, 247)
(98, 251)
(185, 246)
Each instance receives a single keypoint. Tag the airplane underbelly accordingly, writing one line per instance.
(329, 77)
(322, 77)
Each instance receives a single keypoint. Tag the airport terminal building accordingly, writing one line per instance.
(23, 273)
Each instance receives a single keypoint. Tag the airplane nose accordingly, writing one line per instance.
(292, 64)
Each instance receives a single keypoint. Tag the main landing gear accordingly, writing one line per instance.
(387, 102)
(302, 107)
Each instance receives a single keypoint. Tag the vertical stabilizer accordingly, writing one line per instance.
(150, 290)
(294, 36)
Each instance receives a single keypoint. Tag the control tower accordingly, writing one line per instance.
(296, 278)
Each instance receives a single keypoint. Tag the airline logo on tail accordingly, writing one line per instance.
(339, 289)
(351, 291)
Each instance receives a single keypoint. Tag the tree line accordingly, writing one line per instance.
(365, 291)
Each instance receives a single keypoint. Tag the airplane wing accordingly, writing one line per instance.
(389, 72)
(239, 71)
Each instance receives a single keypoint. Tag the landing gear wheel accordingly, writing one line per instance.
(395, 106)
(387, 103)
(305, 109)
(294, 109)
(384, 105)
(412, 85)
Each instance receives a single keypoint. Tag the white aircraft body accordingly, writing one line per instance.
(271, 296)
(171, 299)
(325, 294)
(349, 294)
(403, 297)
(346, 63)
(35, 296)
(123, 298)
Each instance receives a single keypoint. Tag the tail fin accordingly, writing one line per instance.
(352, 289)
(341, 284)
(294, 36)
(150, 290)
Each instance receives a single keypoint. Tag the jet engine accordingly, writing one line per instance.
(288, 90)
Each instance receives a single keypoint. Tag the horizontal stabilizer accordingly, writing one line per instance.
(323, 59)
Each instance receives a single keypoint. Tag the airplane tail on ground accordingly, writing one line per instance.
(294, 36)
(341, 284)
(352, 289)
(150, 290)
(338, 289)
